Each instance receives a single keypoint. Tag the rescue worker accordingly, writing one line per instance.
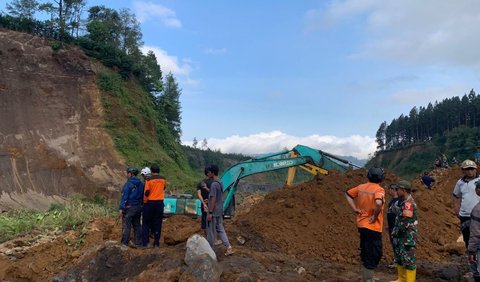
(427, 180)
(464, 197)
(405, 233)
(203, 190)
(215, 210)
(145, 173)
(130, 209)
(367, 201)
(474, 242)
(394, 208)
(153, 206)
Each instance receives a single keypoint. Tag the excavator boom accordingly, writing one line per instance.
(309, 159)
(306, 158)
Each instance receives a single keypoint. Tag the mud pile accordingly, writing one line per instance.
(314, 220)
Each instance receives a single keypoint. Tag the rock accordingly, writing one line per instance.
(300, 270)
(19, 255)
(202, 268)
(76, 254)
(449, 273)
(241, 240)
(197, 246)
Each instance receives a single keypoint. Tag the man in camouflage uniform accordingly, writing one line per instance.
(405, 233)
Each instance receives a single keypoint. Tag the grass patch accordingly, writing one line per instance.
(59, 217)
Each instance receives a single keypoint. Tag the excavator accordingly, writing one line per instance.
(311, 160)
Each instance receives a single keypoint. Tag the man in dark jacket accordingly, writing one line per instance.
(427, 180)
(130, 209)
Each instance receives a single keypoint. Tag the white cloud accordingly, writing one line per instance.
(213, 51)
(411, 31)
(169, 63)
(274, 141)
(146, 11)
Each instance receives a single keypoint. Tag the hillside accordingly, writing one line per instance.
(52, 137)
(411, 160)
(70, 125)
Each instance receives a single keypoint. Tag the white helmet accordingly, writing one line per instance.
(145, 171)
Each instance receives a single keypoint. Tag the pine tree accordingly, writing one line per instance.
(380, 136)
(204, 144)
(195, 142)
(169, 103)
(22, 8)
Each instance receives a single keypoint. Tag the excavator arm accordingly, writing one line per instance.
(308, 159)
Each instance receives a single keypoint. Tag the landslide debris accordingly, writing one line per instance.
(301, 233)
(313, 219)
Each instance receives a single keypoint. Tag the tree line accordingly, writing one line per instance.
(423, 124)
(113, 37)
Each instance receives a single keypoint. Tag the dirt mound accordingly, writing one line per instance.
(314, 220)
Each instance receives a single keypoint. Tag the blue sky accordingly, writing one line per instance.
(260, 76)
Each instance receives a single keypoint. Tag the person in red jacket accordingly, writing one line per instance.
(153, 206)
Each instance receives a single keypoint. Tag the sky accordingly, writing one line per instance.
(261, 76)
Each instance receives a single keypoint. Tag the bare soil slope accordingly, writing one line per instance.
(301, 233)
(52, 138)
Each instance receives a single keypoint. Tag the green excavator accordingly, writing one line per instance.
(311, 160)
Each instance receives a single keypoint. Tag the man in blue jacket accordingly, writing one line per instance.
(131, 207)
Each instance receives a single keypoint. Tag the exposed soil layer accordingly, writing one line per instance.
(301, 233)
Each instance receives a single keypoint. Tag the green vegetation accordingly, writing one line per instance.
(59, 217)
(411, 143)
(410, 161)
(425, 123)
(141, 133)
(198, 158)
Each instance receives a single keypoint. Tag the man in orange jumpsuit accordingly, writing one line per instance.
(153, 206)
(367, 201)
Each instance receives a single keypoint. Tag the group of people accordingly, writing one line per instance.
(141, 206)
(367, 201)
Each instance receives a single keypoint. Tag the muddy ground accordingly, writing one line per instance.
(301, 233)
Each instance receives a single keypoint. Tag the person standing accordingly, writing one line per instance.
(405, 233)
(130, 209)
(153, 206)
(215, 210)
(367, 201)
(427, 180)
(464, 197)
(203, 190)
(394, 208)
(474, 241)
(145, 173)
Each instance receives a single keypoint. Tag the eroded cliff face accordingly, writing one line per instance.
(52, 137)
